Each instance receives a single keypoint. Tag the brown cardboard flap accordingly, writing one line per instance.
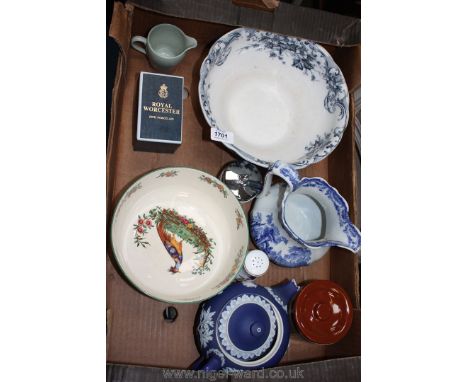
(121, 24)
(263, 5)
(120, 31)
(324, 27)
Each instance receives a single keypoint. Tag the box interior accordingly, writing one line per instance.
(136, 331)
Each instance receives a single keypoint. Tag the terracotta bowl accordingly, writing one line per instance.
(322, 312)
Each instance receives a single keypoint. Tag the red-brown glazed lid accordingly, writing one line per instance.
(323, 312)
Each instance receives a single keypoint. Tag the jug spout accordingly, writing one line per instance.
(348, 237)
(286, 291)
(336, 229)
(190, 43)
(316, 215)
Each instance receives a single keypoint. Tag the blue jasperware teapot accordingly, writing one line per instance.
(246, 326)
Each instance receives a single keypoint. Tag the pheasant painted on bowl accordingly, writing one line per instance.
(179, 235)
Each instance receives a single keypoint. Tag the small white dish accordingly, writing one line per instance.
(179, 235)
(282, 98)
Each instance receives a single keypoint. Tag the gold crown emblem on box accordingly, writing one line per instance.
(163, 91)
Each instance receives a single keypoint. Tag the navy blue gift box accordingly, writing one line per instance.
(160, 113)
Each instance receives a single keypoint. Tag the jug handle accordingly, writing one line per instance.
(285, 172)
(135, 43)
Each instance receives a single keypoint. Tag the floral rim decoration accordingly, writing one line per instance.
(303, 55)
(235, 267)
(215, 184)
(168, 174)
(239, 220)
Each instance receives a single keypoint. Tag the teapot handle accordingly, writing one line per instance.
(284, 171)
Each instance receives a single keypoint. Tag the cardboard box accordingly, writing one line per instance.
(332, 370)
(137, 333)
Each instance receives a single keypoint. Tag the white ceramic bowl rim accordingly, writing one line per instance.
(121, 268)
(337, 98)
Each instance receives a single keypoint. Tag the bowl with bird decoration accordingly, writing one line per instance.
(179, 235)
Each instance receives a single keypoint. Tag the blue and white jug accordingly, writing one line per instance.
(294, 223)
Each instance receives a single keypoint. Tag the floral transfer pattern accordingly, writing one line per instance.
(168, 174)
(215, 184)
(307, 57)
(234, 269)
(353, 236)
(266, 232)
(170, 225)
(134, 189)
(303, 55)
(239, 219)
(129, 193)
(141, 228)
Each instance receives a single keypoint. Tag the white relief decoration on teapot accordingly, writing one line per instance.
(249, 284)
(277, 298)
(206, 326)
(219, 354)
(223, 331)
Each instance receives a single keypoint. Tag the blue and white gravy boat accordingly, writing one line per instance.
(295, 223)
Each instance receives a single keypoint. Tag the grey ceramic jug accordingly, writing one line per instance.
(165, 45)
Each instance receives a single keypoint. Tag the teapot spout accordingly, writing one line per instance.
(212, 363)
(286, 291)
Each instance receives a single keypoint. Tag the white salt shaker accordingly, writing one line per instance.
(256, 264)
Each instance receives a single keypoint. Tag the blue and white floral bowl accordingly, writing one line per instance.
(283, 98)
